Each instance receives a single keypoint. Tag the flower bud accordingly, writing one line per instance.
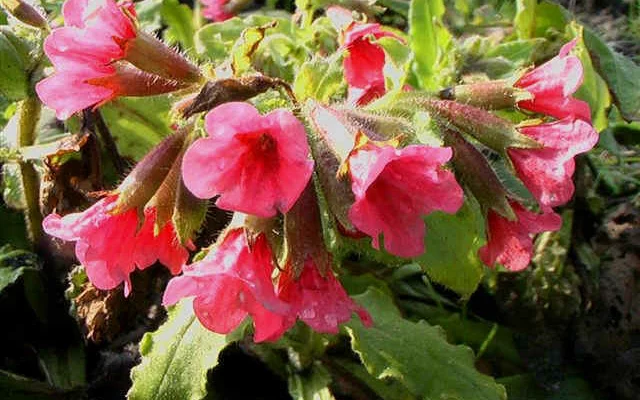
(303, 234)
(330, 150)
(144, 180)
(149, 54)
(25, 12)
(493, 95)
(489, 129)
(476, 174)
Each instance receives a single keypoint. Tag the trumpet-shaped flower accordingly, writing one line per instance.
(510, 242)
(395, 188)
(231, 282)
(547, 171)
(257, 164)
(110, 247)
(552, 85)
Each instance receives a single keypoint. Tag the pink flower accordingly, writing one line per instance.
(509, 242)
(88, 56)
(395, 189)
(363, 66)
(321, 302)
(552, 85)
(109, 246)
(216, 10)
(547, 171)
(231, 282)
(257, 164)
(83, 51)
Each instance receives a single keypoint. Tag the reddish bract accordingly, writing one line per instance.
(510, 242)
(552, 85)
(110, 247)
(547, 171)
(396, 188)
(231, 282)
(258, 164)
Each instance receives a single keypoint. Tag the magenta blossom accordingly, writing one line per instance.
(110, 247)
(547, 171)
(395, 188)
(83, 51)
(231, 282)
(321, 302)
(257, 164)
(364, 63)
(552, 85)
(217, 10)
(509, 242)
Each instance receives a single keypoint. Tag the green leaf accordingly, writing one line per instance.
(16, 387)
(14, 79)
(179, 20)
(312, 385)
(388, 389)
(176, 358)
(432, 44)
(320, 79)
(524, 387)
(621, 74)
(417, 354)
(137, 123)
(525, 21)
(65, 367)
(213, 41)
(452, 244)
(594, 89)
(148, 15)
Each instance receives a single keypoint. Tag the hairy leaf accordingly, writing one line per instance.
(176, 358)
(417, 354)
(452, 243)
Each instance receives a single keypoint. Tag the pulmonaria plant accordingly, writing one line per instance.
(100, 54)
(257, 164)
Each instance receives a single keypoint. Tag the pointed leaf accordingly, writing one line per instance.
(417, 354)
(176, 358)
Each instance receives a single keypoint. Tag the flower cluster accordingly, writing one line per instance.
(376, 179)
(100, 54)
(542, 154)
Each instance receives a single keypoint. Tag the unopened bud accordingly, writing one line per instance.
(25, 12)
(489, 129)
(330, 148)
(188, 214)
(131, 81)
(377, 127)
(475, 173)
(492, 95)
(144, 180)
(303, 234)
(149, 54)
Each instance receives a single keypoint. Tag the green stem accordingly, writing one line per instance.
(28, 116)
